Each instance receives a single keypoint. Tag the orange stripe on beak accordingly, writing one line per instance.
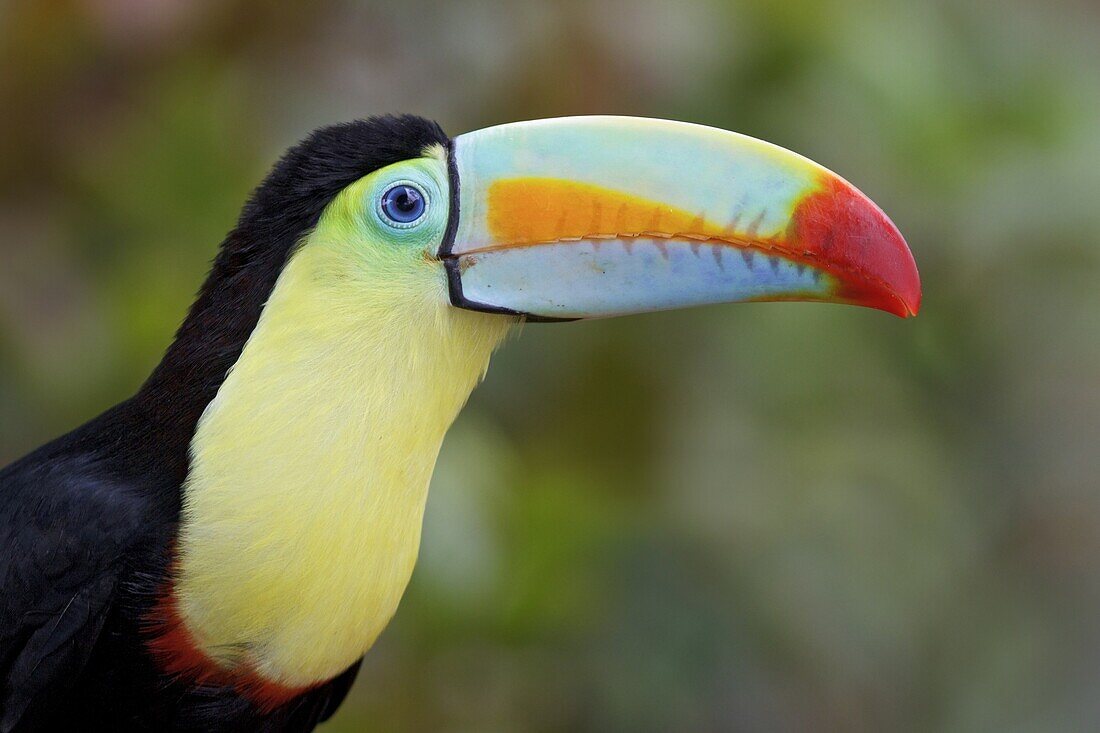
(542, 210)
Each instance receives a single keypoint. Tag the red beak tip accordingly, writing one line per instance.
(847, 230)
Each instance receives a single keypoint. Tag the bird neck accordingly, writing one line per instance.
(309, 469)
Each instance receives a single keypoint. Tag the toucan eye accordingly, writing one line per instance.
(403, 204)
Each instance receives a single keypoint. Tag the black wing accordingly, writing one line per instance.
(313, 708)
(338, 690)
(65, 526)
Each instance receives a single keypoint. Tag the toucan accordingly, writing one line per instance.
(219, 551)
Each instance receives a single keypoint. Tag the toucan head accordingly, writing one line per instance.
(588, 217)
(550, 220)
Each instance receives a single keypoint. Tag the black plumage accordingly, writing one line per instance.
(87, 521)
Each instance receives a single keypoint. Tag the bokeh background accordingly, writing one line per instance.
(739, 518)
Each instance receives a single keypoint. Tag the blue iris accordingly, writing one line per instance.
(403, 204)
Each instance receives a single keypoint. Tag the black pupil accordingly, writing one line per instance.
(406, 200)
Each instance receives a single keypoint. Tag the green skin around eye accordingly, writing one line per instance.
(429, 176)
(354, 220)
(389, 262)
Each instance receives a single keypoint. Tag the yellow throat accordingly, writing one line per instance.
(310, 468)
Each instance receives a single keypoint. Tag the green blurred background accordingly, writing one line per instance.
(757, 517)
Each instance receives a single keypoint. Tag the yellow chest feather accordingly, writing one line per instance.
(310, 469)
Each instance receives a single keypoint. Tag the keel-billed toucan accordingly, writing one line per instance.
(219, 551)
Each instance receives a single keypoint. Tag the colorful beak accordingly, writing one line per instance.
(588, 217)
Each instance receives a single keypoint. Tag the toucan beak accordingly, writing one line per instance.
(587, 217)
